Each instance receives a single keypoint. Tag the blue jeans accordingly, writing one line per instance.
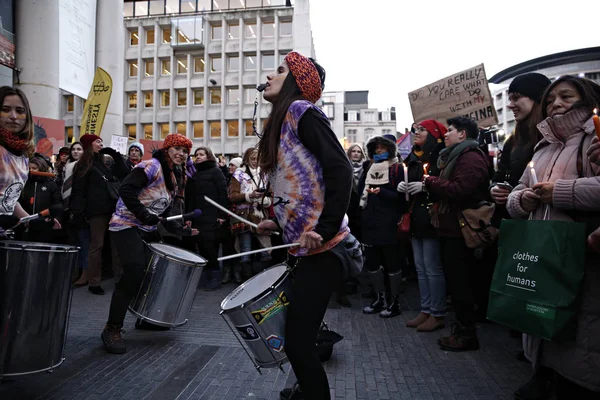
(432, 282)
(246, 245)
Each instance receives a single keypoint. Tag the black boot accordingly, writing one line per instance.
(392, 309)
(246, 270)
(539, 387)
(227, 272)
(376, 306)
(237, 273)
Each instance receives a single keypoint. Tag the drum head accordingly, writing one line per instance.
(254, 287)
(176, 253)
(37, 246)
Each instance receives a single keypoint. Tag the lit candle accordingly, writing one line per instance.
(533, 175)
(406, 178)
(596, 122)
(425, 167)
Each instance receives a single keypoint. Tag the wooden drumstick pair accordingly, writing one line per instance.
(234, 215)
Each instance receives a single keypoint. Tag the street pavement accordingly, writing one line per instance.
(377, 359)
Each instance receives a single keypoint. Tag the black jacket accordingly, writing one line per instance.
(39, 194)
(207, 181)
(90, 192)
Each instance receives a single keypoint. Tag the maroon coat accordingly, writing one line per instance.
(466, 187)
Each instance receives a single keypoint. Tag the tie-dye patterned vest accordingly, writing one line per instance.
(298, 185)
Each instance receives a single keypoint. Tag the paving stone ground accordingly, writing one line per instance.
(378, 359)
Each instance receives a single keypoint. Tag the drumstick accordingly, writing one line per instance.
(234, 215)
(283, 246)
(44, 174)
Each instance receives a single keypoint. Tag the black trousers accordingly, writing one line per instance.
(131, 250)
(459, 263)
(391, 256)
(315, 278)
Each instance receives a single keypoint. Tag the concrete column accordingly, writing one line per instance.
(110, 54)
(303, 42)
(37, 38)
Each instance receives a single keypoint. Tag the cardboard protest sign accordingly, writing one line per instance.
(465, 93)
(119, 143)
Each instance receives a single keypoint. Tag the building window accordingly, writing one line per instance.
(131, 132)
(233, 63)
(165, 98)
(328, 109)
(249, 130)
(216, 64)
(149, 67)
(188, 6)
(148, 100)
(180, 128)
(215, 96)
(164, 130)
(132, 101)
(233, 128)
(134, 39)
(250, 30)
(128, 10)
(233, 96)
(69, 134)
(166, 35)
(386, 116)
(198, 128)
(215, 129)
(268, 62)
(70, 104)
(150, 36)
(199, 65)
(216, 32)
(352, 135)
(147, 131)
(387, 132)
(172, 6)
(182, 65)
(233, 31)
(285, 28)
(165, 67)
(198, 97)
(133, 69)
(369, 133)
(369, 116)
(352, 116)
(250, 62)
(140, 8)
(181, 98)
(268, 29)
(281, 57)
(157, 7)
(249, 95)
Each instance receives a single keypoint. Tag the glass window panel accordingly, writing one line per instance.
(248, 128)
(165, 67)
(164, 130)
(268, 61)
(69, 134)
(215, 129)
(70, 103)
(268, 29)
(157, 7)
(275, 2)
(285, 28)
(199, 64)
(216, 64)
(250, 30)
(134, 39)
(133, 69)
(234, 63)
(189, 30)
(215, 96)
(166, 34)
(253, 3)
(181, 98)
(234, 31)
(198, 128)
(233, 96)
(188, 6)
(233, 128)
(132, 100)
(150, 36)
(249, 95)
(172, 7)
(148, 99)
(198, 97)
(204, 5)
(147, 131)
(165, 99)
(141, 8)
(149, 67)
(250, 62)
(180, 128)
(127, 11)
(182, 65)
(131, 132)
(216, 32)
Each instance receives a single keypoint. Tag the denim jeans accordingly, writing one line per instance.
(246, 245)
(432, 282)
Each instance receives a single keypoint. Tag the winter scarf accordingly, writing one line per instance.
(378, 175)
(357, 170)
(12, 142)
(449, 156)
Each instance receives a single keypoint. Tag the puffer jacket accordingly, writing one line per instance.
(555, 160)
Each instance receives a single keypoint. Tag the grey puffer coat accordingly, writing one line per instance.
(555, 160)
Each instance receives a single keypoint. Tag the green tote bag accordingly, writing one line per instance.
(538, 277)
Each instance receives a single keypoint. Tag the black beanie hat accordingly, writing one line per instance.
(531, 85)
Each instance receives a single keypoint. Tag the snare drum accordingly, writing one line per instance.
(170, 283)
(257, 310)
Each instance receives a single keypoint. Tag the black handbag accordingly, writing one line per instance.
(112, 185)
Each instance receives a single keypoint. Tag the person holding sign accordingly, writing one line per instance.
(568, 189)
(463, 183)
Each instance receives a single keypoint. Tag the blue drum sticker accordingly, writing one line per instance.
(247, 332)
(275, 342)
(271, 309)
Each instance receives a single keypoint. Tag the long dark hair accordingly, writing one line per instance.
(28, 129)
(85, 162)
(526, 132)
(209, 154)
(588, 90)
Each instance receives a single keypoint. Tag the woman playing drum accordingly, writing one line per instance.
(311, 179)
(145, 195)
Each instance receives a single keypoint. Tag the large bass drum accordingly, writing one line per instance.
(35, 302)
(169, 287)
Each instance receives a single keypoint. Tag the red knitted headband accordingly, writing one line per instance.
(175, 139)
(306, 75)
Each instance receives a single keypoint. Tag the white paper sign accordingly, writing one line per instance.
(119, 143)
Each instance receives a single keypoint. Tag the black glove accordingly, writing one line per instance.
(8, 221)
(148, 218)
(110, 151)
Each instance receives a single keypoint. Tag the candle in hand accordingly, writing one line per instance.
(596, 122)
(425, 167)
(406, 178)
(532, 174)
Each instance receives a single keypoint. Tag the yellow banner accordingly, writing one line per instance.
(94, 109)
